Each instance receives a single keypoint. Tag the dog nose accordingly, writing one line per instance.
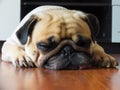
(67, 51)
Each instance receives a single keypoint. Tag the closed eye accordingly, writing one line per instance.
(83, 42)
(43, 46)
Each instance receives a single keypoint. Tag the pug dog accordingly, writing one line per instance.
(54, 37)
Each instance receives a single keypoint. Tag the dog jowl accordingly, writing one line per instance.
(54, 37)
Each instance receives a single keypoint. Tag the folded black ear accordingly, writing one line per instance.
(26, 30)
(93, 23)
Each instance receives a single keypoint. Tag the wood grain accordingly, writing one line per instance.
(12, 78)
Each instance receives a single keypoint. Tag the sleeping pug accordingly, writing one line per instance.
(56, 38)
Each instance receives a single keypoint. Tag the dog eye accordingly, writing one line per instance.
(43, 46)
(46, 47)
(52, 42)
(83, 42)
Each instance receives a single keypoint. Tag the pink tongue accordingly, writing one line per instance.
(84, 66)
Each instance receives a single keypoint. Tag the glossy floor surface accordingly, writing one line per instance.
(12, 78)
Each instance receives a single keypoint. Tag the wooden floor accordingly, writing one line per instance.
(12, 78)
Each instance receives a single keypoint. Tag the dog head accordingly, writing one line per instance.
(62, 37)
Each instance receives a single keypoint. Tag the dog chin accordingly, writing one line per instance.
(74, 62)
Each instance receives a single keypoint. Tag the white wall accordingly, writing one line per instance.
(116, 24)
(9, 17)
(116, 21)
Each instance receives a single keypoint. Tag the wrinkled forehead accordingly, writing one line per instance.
(61, 24)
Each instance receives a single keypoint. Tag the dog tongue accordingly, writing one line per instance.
(83, 66)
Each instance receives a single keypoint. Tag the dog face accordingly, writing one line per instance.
(62, 39)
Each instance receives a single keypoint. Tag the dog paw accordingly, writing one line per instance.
(104, 60)
(22, 60)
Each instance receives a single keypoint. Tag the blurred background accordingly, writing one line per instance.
(107, 11)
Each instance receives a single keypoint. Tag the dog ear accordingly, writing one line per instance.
(93, 23)
(26, 29)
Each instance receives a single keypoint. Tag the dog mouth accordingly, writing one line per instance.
(74, 62)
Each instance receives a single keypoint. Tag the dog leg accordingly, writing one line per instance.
(101, 58)
(16, 55)
(32, 52)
